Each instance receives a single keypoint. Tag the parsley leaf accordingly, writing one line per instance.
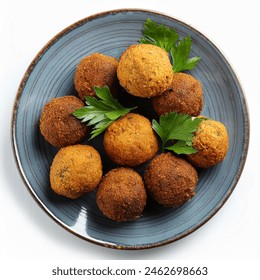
(168, 39)
(102, 112)
(180, 55)
(179, 128)
(159, 35)
(182, 147)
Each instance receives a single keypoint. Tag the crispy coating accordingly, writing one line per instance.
(211, 142)
(170, 180)
(75, 170)
(121, 195)
(144, 70)
(57, 124)
(96, 70)
(130, 140)
(184, 96)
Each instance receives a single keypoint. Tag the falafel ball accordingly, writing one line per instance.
(183, 97)
(211, 142)
(145, 70)
(96, 70)
(170, 180)
(121, 195)
(75, 170)
(130, 140)
(57, 124)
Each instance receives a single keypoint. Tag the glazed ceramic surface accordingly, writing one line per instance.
(51, 75)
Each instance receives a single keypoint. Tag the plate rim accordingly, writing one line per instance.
(19, 92)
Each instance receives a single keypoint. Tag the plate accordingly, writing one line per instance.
(51, 75)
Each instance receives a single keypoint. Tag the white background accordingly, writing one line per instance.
(27, 233)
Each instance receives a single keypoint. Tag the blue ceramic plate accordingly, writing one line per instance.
(51, 75)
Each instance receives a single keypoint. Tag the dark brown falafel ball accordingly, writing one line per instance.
(130, 140)
(184, 96)
(75, 170)
(96, 70)
(211, 142)
(121, 195)
(144, 70)
(170, 180)
(57, 124)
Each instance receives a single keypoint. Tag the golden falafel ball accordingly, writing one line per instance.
(121, 195)
(183, 97)
(170, 180)
(57, 124)
(211, 142)
(96, 70)
(75, 170)
(144, 70)
(130, 140)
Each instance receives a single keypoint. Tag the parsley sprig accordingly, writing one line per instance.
(180, 55)
(159, 35)
(168, 39)
(101, 113)
(179, 128)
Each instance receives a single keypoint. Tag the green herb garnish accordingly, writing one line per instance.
(179, 128)
(180, 56)
(101, 113)
(159, 35)
(168, 39)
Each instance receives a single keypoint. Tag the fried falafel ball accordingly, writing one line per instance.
(75, 170)
(130, 140)
(96, 70)
(183, 97)
(170, 180)
(121, 195)
(57, 124)
(211, 142)
(144, 70)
